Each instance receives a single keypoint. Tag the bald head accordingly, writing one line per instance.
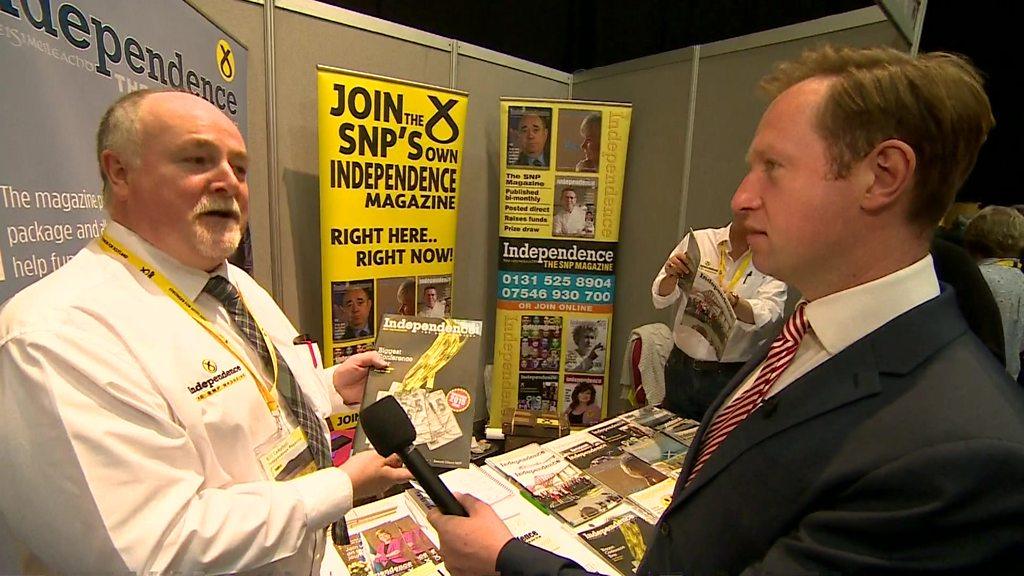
(174, 170)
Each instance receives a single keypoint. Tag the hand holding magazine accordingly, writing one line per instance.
(708, 311)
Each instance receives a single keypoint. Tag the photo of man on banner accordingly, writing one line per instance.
(352, 310)
(529, 144)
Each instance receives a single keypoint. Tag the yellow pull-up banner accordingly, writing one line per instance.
(562, 165)
(390, 169)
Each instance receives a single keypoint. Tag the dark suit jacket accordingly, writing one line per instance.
(521, 161)
(904, 453)
(954, 266)
(350, 333)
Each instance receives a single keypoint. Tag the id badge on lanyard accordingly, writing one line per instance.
(285, 455)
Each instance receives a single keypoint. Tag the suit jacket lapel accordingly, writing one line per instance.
(738, 379)
(846, 378)
(897, 347)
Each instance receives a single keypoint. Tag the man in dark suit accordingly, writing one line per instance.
(532, 138)
(358, 303)
(876, 435)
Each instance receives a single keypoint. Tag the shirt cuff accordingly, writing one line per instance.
(664, 301)
(326, 495)
(760, 312)
(517, 558)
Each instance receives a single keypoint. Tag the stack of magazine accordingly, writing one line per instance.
(593, 496)
(610, 483)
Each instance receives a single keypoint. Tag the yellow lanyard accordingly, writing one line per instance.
(114, 248)
(741, 269)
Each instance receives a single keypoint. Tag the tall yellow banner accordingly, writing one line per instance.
(562, 166)
(390, 160)
(390, 168)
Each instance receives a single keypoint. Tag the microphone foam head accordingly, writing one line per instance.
(387, 426)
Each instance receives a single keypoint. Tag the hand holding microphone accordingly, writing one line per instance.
(388, 428)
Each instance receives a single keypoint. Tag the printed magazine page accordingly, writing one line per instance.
(386, 540)
(624, 473)
(707, 311)
(555, 483)
(650, 416)
(681, 429)
(620, 432)
(434, 362)
(658, 448)
(621, 537)
(693, 255)
(653, 501)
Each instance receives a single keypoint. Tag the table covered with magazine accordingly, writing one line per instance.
(593, 496)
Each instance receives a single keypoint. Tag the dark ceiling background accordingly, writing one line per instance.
(572, 35)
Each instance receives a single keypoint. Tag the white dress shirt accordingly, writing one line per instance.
(569, 223)
(838, 320)
(111, 464)
(766, 295)
(435, 311)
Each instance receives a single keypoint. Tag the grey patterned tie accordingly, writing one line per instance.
(311, 424)
(227, 294)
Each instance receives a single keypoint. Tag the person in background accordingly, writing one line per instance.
(956, 267)
(995, 237)
(694, 375)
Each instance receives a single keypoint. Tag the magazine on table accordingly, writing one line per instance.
(656, 448)
(385, 539)
(652, 501)
(650, 416)
(624, 473)
(620, 431)
(621, 537)
(681, 429)
(555, 483)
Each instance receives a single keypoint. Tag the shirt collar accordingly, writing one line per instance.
(727, 240)
(190, 281)
(842, 318)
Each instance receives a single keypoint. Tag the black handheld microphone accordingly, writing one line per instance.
(388, 428)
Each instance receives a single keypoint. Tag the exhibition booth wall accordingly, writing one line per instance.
(694, 113)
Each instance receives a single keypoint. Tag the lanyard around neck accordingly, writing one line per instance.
(114, 248)
(741, 268)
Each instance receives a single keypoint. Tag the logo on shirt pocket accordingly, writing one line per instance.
(203, 389)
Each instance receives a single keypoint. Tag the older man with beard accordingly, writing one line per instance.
(166, 422)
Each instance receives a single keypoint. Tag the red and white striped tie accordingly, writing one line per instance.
(779, 356)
